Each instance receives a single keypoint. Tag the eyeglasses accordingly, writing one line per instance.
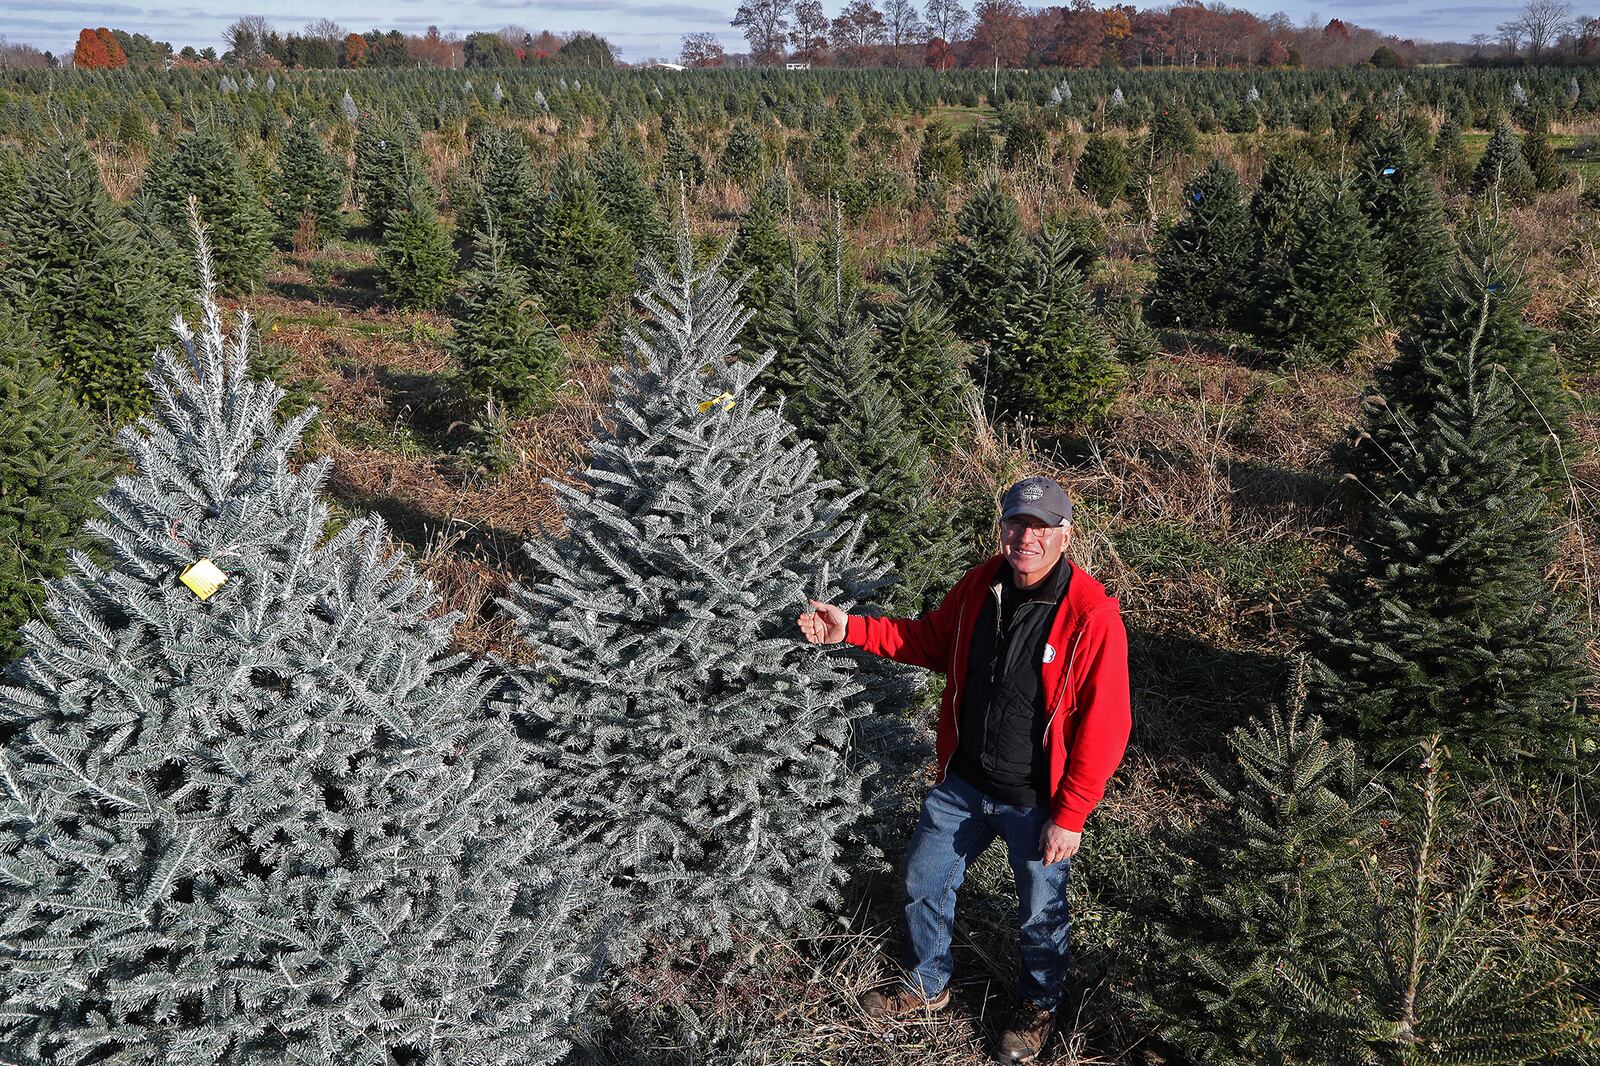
(1016, 527)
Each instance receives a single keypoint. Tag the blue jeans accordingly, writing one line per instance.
(958, 822)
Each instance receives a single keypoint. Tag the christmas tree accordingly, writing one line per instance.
(1103, 172)
(168, 257)
(207, 168)
(254, 810)
(1445, 623)
(1052, 365)
(1324, 299)
(416, 261)
(1172, 133)
(922, 356)
(1267, 877)
(306, 184)
(1448, 159)
(50, 474)
(625, 196)
(581, 265)
(386, 172)
(505, 349)
(1290, 188)
(1402, 207)
(979, 273)
(938, 165)
(1480, 305)
(762, 255)
(680, 162)
(1430, 979)
(709, 749)
(1205, 255)
(744, 156)
(1540, 156)
(852, 410)
(81, 280)
(797, 315)
(501, 188)
(1503, 169)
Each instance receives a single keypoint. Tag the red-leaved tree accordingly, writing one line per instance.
(90, 53)
(113, 47)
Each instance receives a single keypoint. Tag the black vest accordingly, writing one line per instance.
(1000, 750)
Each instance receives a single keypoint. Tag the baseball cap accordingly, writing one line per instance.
(1041, 497)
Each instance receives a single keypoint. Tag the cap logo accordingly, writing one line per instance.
(1032, 491)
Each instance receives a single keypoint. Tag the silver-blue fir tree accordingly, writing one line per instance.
(712, 754)
(276, 824)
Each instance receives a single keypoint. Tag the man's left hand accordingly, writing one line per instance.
(1058, 843)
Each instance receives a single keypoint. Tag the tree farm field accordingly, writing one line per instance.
(1313, 353)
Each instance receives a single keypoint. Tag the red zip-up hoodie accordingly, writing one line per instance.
(1085, 676)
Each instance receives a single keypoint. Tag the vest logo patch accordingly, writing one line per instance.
(1049, 653)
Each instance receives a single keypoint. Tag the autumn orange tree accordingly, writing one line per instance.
(98, 50)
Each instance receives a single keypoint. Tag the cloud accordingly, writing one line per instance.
(679, 11)
(61, 7)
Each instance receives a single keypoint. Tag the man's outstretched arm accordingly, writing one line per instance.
(926, 641)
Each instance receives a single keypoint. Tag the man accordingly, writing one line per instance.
(1033, 722)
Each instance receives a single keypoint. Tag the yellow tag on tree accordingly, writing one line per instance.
(726, 400)
(203, 578)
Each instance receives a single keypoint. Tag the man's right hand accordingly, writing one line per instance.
(824, 623)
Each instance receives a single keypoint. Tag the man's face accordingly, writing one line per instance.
(1031, 545)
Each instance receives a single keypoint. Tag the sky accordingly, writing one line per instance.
(641, 28)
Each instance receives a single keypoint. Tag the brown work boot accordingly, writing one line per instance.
(902, 1002)
(1025, 1033)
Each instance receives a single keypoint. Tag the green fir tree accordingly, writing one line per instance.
(416, 261)
(1103, 172)
(1172, 133)
(1324, 300)
(579, 263)
(207, 168)
(744, 156)
(307, 183)
(1291, 188)
(1053, 365)
(50, 473)
(1480, 305)
(850, 408)
(1502, 169)
(1444, 622)
(502, 190)
(1448, 158)
(1540, 156)
(920, 353)
(625, 196)
(761, 253)
(385, 172)
(979, 272)
(680, 161)
(1205, 256)
(1402, 208)
(1267, 877)
(82, 280)
(1430, 978)
(505, 349)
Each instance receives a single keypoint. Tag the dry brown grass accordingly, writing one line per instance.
(121, 168)
(797, 1001)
